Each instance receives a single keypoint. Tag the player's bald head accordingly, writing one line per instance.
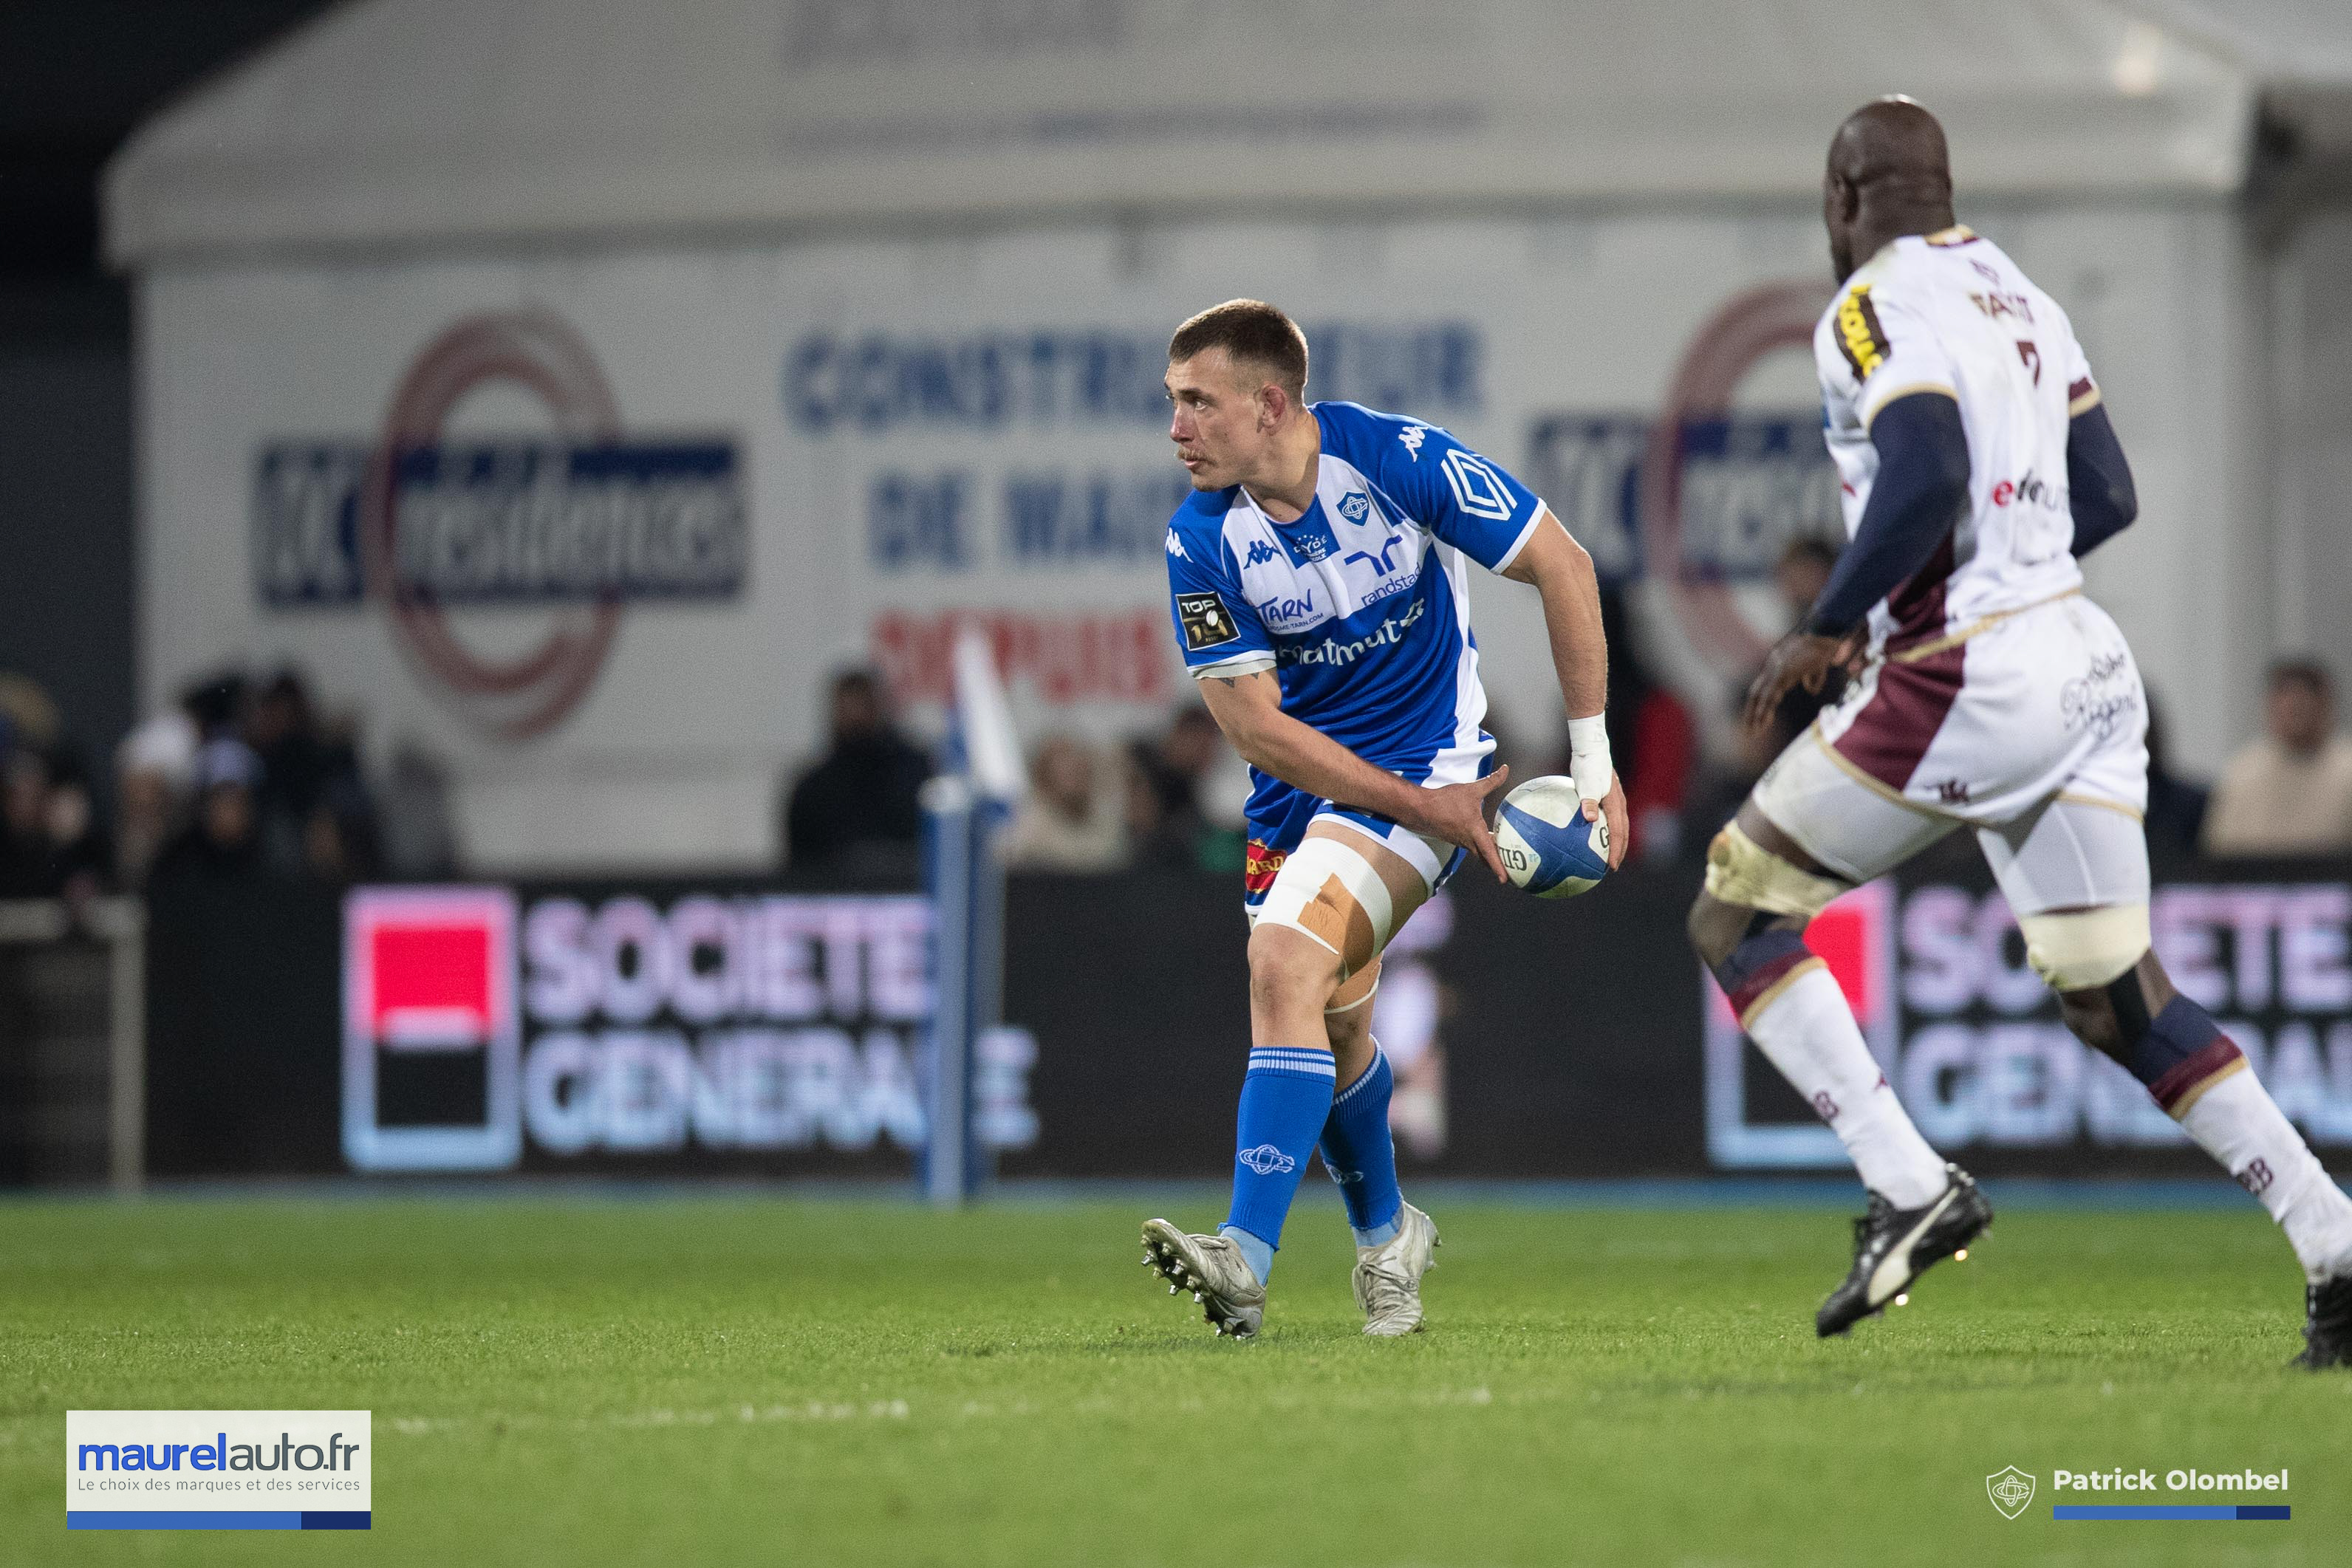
(1895, 145)
(1889, 175)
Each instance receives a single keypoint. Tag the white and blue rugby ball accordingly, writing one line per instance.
(1548, 847)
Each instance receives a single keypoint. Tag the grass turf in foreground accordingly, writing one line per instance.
(747, 1380)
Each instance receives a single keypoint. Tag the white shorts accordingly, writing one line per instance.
(2030, 728)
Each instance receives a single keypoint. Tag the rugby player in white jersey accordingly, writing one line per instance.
(1990, 694)
(1319, 576)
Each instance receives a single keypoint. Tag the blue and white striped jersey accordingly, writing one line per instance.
(1360, 607)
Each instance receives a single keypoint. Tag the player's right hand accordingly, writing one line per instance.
(1458, 812)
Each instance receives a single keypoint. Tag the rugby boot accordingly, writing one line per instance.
(1388, 1276)
(1214, 1270)
(1893, 1247)
(2327, 1324)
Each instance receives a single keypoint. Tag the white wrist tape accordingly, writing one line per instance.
(1587, 756)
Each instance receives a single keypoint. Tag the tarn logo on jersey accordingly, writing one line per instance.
(1267, 1160)
(1355, 506)
(1478, 488)
(1413, 436)
(1176, 546)
(1859, 335)
(1288, 614)
(1380, 562)
(1205, 619)
(1260, 552)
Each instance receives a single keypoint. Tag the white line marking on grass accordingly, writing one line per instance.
(744, 1415)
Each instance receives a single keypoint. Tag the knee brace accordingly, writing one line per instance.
(1328, 891)
(2084, 949)
(1742, 871)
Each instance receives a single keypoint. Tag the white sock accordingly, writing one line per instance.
(1807, 1031)
(2236, 1121)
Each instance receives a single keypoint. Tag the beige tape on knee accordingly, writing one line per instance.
(1298, 898)
(1742, 871)
(2082, 950)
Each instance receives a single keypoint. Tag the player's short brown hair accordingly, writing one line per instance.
(1253, 333)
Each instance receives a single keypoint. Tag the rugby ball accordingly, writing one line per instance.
(1548, 847)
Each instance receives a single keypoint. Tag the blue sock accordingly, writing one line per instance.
(1361, 1156)
(1285, 1099)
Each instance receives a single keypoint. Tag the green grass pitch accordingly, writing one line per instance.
(742, 1378)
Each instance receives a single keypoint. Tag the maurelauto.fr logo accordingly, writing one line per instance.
(218, 1469)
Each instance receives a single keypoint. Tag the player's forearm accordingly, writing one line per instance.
(1570, 591)
(2098, 481)
(1921, 488)
(1298, 753)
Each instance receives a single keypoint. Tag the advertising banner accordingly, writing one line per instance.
(708, 1026)
(596, 529)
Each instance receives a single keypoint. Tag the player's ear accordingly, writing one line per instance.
(1273, 405)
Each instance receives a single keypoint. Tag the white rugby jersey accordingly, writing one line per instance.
(1949, 312)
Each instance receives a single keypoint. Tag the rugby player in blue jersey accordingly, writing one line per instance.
(1319, 575)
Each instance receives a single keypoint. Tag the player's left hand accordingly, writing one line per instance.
(1801, 658)
(1613, 805)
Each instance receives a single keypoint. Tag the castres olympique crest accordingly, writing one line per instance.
(2012, 1490)
(572, 521)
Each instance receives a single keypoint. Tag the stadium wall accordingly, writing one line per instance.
(836, 450)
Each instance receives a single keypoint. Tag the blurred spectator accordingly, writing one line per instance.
(2176, 806)
(1800, 574)
(1650, 739)
(2290, 792)
(856, 810)
(1163, 817)
(26, 714)
(1722, 786)
(154, 767)
(23, 824)
(223, 841)
(1069, 822)
(419, 830)
(80, 856)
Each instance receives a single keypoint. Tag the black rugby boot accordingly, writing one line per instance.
(2327, 1324)
(1893, 1247)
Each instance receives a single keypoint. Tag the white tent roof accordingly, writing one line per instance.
(398, 122)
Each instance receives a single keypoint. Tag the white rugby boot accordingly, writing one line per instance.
(1214, 1270)
(1388, 1276)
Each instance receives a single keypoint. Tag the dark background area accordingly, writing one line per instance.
(75, 77)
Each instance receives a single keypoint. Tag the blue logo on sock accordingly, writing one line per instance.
(1267, 1160)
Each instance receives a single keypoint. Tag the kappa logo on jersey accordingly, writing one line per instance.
(1176, 546)
(1859, 335)
(1205, 619)
(1267, 1160)
(1260, 552)
(1478, 488)
(1355, 506)
(1413, 436)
